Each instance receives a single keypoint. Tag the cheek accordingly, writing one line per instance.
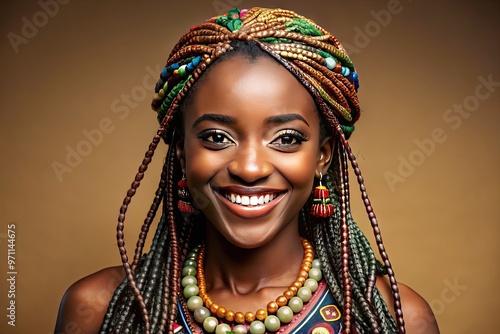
(198, 161)
(300, 169)
(202, 165)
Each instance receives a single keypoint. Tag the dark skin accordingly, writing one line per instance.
(251, 129)
(260, 139)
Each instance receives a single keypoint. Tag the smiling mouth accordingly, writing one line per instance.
(253, 200)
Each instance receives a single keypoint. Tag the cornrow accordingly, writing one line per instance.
(148, 300)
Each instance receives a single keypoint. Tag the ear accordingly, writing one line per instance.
(179, 152)
(325, 155)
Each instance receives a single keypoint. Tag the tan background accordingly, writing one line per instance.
(440, 225)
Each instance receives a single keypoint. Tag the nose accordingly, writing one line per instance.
(250, 163)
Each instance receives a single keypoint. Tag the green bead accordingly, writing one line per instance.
(188, 280)
(272, 323)
(311, 284)
(257, 327)
(285, 314)
(305, 294)
(190, 262)
(237, 24)
(234, 11)
(222, 329)
(210, 323)
(194, 302)
(296, 304)
(316, 274)
(200, 314)
(191, 290)
(192, 255)
(239, 329)
(188, 271)
(316, 264)
(182, 71)
(230, 25)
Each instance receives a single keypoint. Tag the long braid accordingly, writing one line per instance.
(171, 288)
(148, 298)
(378, 235)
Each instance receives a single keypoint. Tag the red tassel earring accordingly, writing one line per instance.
(184, 203)
(322, 206)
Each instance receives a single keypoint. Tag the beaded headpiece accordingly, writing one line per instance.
(304, 48)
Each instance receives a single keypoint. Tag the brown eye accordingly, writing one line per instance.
(215, 139)
(288, 139)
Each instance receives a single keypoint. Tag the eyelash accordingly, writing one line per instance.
(294, 135)
(207, 134)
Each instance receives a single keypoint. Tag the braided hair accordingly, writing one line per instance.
(148, 298)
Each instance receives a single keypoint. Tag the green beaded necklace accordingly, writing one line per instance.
(209, 319)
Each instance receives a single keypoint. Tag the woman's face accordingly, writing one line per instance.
(251, 149)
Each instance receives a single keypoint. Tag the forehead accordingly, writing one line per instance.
(256, 87)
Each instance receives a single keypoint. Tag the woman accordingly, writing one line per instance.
(256, 233)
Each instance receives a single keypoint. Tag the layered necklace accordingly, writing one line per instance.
(215, 318)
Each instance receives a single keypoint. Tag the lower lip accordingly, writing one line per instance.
(250, 211)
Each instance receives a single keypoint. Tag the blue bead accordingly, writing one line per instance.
(174, 66)
(196, 61)
(355, 79)
(189, 67)
(159, 85)
(164, 74)
(345, 71)
(354, 76)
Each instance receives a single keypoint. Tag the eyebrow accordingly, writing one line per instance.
(285, 118)
(214, 118)
(278, 119)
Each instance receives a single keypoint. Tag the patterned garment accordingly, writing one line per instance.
(319, 316)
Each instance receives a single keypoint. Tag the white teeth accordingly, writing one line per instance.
(245, 200)
(250, 200)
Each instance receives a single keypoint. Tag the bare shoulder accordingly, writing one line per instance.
(418, 315)
(84, 304)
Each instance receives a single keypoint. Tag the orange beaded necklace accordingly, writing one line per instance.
(276, 312)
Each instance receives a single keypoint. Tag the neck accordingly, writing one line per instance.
(260, 273)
